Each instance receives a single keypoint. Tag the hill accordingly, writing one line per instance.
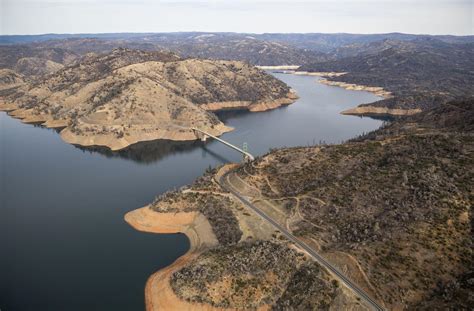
(420, 74)
(34, 62)
(195, 45)
(127, 96)
(391, 209)
(330, 42)
(230, 46)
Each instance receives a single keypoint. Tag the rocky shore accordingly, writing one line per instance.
(379, 91)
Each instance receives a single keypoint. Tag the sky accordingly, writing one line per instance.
(257, 16)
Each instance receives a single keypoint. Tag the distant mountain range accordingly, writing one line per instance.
(419, 70)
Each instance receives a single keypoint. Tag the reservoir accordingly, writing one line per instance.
(64, 243)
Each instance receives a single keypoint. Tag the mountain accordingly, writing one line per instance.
(196, 45)
(82, 46)
(321, 42)
(127, 96)
(420, 74)
(390, 209)
(412, 72)
(328, 43)
(270, 49)
(231, 46)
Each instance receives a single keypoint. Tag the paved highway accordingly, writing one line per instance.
(225, 184)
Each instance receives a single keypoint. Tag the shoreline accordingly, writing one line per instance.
(110, 140)
(366, 110)
(158, 293)
(279, 67)
(289, 99)
(319, 73)
(379, 111)
(376, 90)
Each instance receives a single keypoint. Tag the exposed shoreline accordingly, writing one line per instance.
(290, 98)
(281, 67)
(320, 73)
(366, 110)
(379, 111)
(158, 293)
(146, 132)
(376, 90)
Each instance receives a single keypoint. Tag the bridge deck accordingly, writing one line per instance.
(245, 153)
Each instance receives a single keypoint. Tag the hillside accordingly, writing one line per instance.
(243, 47)
(331, 42)
(420, 74)
(270, 49)
(127, 96)
(34, 61)
(9, 79)
(391, 209)
(195, 45)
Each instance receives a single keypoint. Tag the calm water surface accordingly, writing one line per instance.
(64, 243)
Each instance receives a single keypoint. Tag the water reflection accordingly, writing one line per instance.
(147, 152)
(225, 115)
(220, 158)
(72, 215)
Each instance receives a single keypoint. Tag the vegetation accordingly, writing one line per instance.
(309, 288)
(218, 210)
(130, 95)
(391, 207)
(247, 275)
(398, 200)
(422, 73)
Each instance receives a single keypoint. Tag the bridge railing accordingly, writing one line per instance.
(246, 154)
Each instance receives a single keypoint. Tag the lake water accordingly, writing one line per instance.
(64, 243)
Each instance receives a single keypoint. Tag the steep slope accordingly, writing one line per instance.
(127, 96)
(391, 210)
(420, 74)
(34, 66)
(9, 79)
(398, 201)
(34, 62)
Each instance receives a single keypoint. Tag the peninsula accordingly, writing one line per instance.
(128, 96)
(402, 236)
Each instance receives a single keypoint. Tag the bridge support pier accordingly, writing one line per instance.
(204, 135)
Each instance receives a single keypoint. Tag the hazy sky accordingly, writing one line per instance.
(354, 16)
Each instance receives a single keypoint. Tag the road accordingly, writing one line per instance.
(226, 185)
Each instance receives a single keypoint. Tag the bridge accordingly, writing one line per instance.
(204, 135)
